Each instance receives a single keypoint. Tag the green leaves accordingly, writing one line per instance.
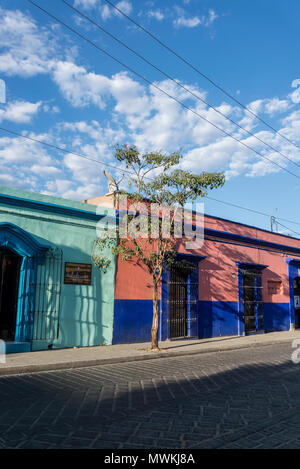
(127, 154)
(170, 189)
(178, 187)
(102, 263)
(142, 165)
(151, 241)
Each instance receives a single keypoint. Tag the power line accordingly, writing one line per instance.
(177, 82)
(250, 210)
(289, 229)
(114, 167)
(203, 75)
(161, 90)
(56, 147)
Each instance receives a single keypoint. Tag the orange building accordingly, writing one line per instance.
(242, 280)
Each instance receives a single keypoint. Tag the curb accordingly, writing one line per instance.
(28, 369)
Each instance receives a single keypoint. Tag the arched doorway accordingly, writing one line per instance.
(10, 264)
(20, 256)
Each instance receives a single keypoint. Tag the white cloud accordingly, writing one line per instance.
(147, 118)
(80, 87)
(76, 191)
(20, 151)
(108, 12)
(23, 162)
(131, 97)
(212, 16)
(248, 120)
(45, 171)
(25, 48)
(86, 4)
(124, 6)
(276, 105)
(296, 83)
(187, 22)
(157, 14)
(100, 138)
(136, 113)
(192, 22)
(20, 111)
(295, 96)
(51, 109)
(291, 126)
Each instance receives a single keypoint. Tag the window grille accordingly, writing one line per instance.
(252, 300)
(47, 297)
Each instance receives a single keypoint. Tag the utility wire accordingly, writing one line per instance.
(177, 82)
(56, 147)
(160, 89)
(189, 64)
(117, 168)
(250, 210)
(289, 229)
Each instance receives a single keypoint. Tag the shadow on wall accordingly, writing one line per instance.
(81, 322)
(219, 313)
(132, 317)
(85, 312)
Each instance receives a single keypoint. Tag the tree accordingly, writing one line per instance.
(151, 241)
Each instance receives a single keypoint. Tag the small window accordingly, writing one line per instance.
(274, 287)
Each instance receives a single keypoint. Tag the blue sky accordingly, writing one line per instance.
(65, 92)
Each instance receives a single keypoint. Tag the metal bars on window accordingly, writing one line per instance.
(252, 300)
(47, 297)
(183, 299)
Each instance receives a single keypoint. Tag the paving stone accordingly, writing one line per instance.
(246, 398)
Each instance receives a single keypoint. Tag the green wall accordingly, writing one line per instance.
(86, 312)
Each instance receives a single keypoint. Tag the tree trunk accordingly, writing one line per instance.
(154, 330)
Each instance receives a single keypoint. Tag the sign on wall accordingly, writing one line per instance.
(78, 274)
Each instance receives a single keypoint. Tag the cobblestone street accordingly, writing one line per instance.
(248, 398)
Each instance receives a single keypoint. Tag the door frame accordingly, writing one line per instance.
(164, 309)
(241, 311)
(294, 271)
(32, 253)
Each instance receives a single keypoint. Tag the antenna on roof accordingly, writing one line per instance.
(113, 186)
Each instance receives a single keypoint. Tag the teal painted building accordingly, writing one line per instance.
(51, 295)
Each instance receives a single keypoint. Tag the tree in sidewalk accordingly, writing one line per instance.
(152, 241)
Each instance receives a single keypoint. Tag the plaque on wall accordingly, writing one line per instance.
(78, 274)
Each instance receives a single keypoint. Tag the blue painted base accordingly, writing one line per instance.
(17, 347)
(276, 317)
(218, 318)
(222, 318)
(132, 321)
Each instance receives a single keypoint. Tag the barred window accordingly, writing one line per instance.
(252, 299)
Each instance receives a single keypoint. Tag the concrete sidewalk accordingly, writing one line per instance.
(90, 356)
